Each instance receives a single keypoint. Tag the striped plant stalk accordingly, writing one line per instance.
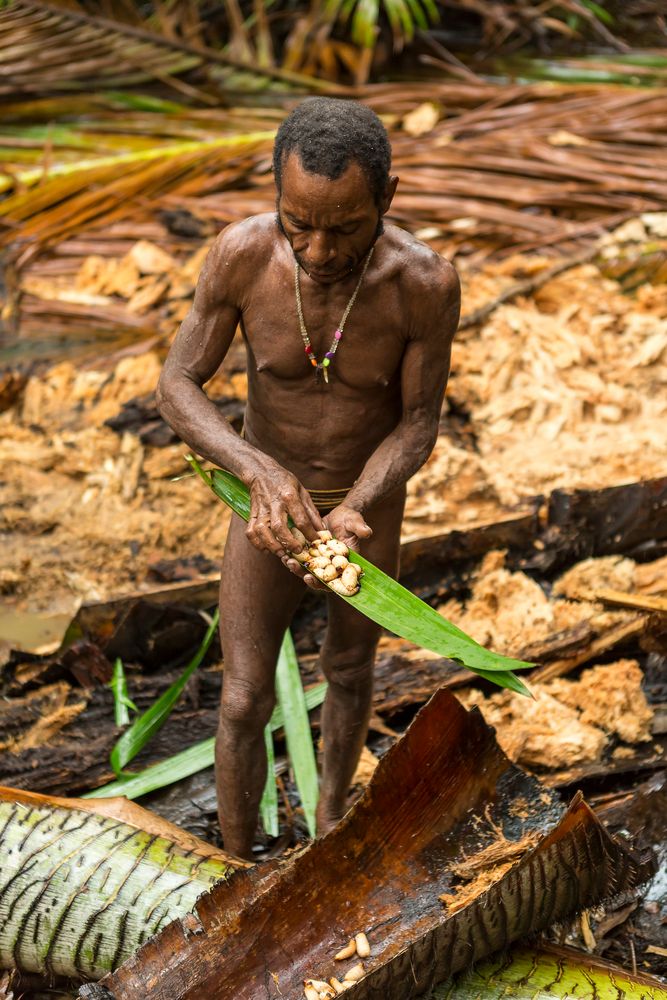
(80, 891)
(550, 974)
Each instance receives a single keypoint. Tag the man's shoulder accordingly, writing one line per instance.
(249, 240)
(420, 269)
(237, 255)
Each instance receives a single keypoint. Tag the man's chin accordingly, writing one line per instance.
(327, 279)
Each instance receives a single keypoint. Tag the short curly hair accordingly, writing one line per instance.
(328, 133)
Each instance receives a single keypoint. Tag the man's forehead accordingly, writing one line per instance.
(299, 187)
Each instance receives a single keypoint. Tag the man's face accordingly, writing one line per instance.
(330, 224)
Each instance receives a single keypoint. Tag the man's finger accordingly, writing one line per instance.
(281, 531)
(266, 537)
(309, 523)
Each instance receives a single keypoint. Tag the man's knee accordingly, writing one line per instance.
(245, 704)
(350, 666)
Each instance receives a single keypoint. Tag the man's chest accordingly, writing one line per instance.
(367, 355)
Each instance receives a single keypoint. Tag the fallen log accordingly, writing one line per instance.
(631, 519)
(603, 643)
(444, 792)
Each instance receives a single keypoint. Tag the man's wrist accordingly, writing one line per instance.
(356, 500)
(254, 466)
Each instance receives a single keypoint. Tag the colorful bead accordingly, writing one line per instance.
(329, 354)
(338, 334)
(308, 349)
(326, 362)
(313, 362)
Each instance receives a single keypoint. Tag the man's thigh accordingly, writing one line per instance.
(258, 597)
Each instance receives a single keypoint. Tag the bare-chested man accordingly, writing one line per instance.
(332, 451)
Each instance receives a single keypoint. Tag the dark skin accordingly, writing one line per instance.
(370, 428)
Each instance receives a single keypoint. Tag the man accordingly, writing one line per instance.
(348, 326)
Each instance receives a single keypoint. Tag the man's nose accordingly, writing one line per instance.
(321, 248)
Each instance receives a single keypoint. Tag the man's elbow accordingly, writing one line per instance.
(161, 393)
(166, 393)
(428, 444)
(425, 439)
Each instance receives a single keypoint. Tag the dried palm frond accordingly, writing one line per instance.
(46, 48)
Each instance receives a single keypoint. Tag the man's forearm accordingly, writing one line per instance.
(197, 421)
(393, 462)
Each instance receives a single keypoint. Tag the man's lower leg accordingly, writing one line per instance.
(240, 759)
(345, 716)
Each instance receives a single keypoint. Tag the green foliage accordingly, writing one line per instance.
(181, 765)
(121, 697)
(268, 807)
(147, 725)
(297, 729)
(548, 974)
(364, 17)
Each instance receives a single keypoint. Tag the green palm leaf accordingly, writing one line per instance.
(297, 729)
(147, 725)
(268, 807)
(386, 602)
(196, 758)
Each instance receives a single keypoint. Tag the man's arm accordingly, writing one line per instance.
(196, 353)
(424, 374)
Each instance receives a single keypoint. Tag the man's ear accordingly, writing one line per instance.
(389, 193)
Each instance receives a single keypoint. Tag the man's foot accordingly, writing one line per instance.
(327, 819)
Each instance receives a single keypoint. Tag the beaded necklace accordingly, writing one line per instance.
(321, 367)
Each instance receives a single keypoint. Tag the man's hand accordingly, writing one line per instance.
(275, 496)
(348, 525)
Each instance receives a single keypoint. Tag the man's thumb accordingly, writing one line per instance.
(361, 529)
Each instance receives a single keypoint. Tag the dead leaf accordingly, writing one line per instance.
(150, 258)
(422, 119)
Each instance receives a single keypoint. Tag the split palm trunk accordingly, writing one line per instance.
(83, 885)
(550, 973)
(453, 853)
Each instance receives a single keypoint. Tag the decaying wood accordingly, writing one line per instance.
(609, 639)
(526, 287)
(636, 602)
(584, 523)
(443, 792)
(428, 555)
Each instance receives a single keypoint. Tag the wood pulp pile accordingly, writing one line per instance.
(565, 388)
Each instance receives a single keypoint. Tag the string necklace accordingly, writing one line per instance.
(322, 367)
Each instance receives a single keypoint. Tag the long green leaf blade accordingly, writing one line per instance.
(268, 807)
(386, 602)
(297, 729)
(121, 697)
(196, 758)
(147, 725)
